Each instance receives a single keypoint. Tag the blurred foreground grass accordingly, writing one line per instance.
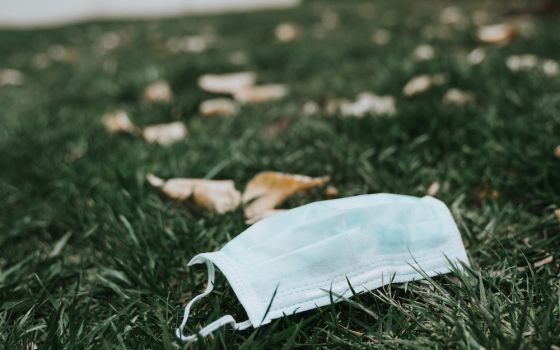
(92, 257)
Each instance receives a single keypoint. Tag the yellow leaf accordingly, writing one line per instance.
(268, 189)
(219, 196)
(118, 122)
(261, 93)
(498, 34)
(160, 92)
(227, 83)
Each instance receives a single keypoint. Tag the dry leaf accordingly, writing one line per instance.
(331, 192)
(261, 93)
(557, 214)
(539, 263)
(286, 32)
(227, 83)
(381, 37)
(118, 122)
(453, 15)
(498, 34)
(486, 192)
(557, 151)
(423, 83)
(310, 108)
(433, 189)
(218, 107)
(476, 56)
(219, 196)
(165, 134)
(424, 52)
(551, 68)
(522, 62)
(457, 97)
(368, 103)
(160, 91)
(275, 128)
(108, 41)
(189, 43)
(268, 189)
(10, 77)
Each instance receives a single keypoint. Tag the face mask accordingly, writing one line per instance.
(307, 257)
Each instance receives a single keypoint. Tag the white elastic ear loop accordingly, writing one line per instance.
(222, 321)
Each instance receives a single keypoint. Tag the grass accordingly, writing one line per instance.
(92, 257)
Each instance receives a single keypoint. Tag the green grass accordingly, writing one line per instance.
(92, 257)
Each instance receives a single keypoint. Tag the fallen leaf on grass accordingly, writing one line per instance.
(424, 52)
(457, 97)
(331, 192)
(219, 196)
(286, 32)
(476, 56)
(189, 43)
(497, 34)
(260, 93)
(522, 62)
(228, 83)
(368, 103)
(160, 92)
(108, 41)
(165, 134)
(453, 15)
(486, 192)
(422, 83)
(263, 214)
(218, 107)
(10, 77)
(310, 108)
(275, 128)
(551, 68)
(268, 189)
(59, 53)
(557, 151)
(539, 263)
(381, 37)
(433, 189)
(118, 122)
(557, 214)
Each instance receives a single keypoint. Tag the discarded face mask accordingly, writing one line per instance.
(307, 257)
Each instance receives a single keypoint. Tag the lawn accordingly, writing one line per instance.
(91, 256)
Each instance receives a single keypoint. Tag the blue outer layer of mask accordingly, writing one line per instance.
(302, 255)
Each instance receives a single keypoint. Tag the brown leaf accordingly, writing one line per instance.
(368, 103)
(165, 134)
(422, 83)
(557, 151)
(497, 34)
(433, 189)
(219, 196)
(10, 77)
(159, 92)
(268, 189)
(457, 97)
(218, 107)
(118, 122)
(331, 192)
(557, 214)
(228, 83)
(261, 93)
(286, 32)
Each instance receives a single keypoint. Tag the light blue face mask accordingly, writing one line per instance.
(306, 257)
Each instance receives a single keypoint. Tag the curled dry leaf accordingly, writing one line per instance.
(286, 32)
(476, 56)
(10, 77)
(368, 103)
(457, 97)
(227, 83)
(422, 83)
(424, 52)
(433, 189)
(160, 91)
(381, 37)
(268, 189)
(498, 34)
(189, 43)
(219, 196)
(522, 62)
(165, 134)
(218, 107)
(261, 93)
(118, 122)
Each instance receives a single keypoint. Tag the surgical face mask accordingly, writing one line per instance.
(308, 256)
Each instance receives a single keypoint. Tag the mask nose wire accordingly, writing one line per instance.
(222, 321)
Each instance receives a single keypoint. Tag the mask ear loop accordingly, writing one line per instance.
(222, 321)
